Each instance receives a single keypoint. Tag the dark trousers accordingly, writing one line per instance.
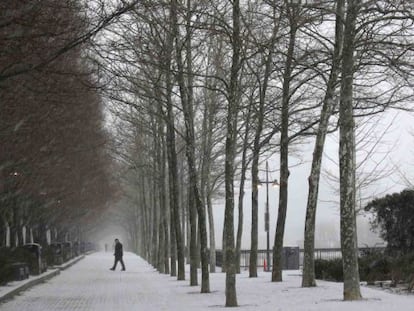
(116, 262)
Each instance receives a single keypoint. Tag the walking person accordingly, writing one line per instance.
(118, 255)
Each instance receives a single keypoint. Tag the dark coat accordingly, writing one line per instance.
(118, 250)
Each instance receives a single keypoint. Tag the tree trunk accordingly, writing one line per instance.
(164, 204)
(162, 196)
(186, 92)
(255, 217)
(2, 232)
(349, 244)
(176, 243)
(231, 139)
(145, 218)
(209, 113)
(172, 159)
(211, 231)
(215, 56)
(173, 244)
(161, 246)
(223, 251)
(193, 239)
(175, 215)
(167, 244)
(241, 191)
(257, 145)
(155, 222)
(308, 275)
(284, 152)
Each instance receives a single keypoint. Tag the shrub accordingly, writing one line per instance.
(329, 270)
(374, 266)
(402, 270)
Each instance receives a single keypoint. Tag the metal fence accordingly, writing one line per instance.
(336, 253)
(290, 257)
(293, 256)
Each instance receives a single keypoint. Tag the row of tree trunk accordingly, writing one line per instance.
(190, 62)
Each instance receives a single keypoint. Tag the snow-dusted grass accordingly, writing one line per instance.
(89, 285)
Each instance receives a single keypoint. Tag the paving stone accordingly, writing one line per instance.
(90, 285)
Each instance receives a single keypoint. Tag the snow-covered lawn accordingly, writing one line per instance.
(89, 285)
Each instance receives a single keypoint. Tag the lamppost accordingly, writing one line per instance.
(274, 184)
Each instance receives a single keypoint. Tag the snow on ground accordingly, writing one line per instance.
(89, 285)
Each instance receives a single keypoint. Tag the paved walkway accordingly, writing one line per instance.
(90, 285)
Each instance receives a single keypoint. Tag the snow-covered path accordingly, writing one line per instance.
(89, 285)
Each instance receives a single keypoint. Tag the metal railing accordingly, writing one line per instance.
(290, 258)
(336, 253)
(320, 253)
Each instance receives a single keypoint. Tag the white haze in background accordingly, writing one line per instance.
(397, 138)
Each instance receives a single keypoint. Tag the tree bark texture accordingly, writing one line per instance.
(257, 146)
(163, 242)
(145, 219)
(173, 174)
(187, 105)
(205, 188)
(193, 239)
(155, 220)
(244, 166)
(211, 232)
(347, 166)
(308, 275)
(284, 152)
(255, 217)
(231, 139)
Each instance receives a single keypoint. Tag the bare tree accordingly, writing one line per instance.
(292, 14)
(349, 244)
(308, 278)
(259, 118)
(232, 110)
(186, 91)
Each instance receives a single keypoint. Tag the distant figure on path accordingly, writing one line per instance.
(118, 255)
